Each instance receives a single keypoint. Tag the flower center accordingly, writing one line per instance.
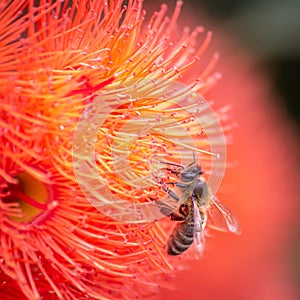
(29, 195)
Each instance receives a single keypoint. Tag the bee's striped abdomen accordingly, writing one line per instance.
(181, 238)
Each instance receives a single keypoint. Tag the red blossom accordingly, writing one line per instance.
(56, 60)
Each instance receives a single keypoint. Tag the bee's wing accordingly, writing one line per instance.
(165, 208)
(199, 225)
(221, 218)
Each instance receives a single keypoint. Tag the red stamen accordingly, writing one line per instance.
(20, 195)
(91, 89)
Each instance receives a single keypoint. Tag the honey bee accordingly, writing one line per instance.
(198, 208)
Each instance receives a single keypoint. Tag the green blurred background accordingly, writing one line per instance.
(270, 29)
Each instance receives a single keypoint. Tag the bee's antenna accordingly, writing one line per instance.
(172, 164)
(194, 160)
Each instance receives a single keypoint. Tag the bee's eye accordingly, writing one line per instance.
(190, 173)
(188, 176)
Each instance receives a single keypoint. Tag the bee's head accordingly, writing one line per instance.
(190, 173)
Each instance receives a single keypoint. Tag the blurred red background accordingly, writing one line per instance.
(261, 188)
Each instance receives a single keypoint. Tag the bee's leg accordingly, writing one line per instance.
(178, 184)
(170, 192)
(181, 185)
